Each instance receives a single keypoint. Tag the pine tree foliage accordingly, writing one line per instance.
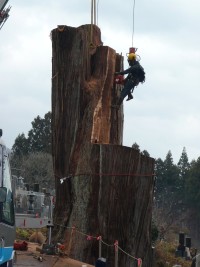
(184, 167)
(20, 146)
(136, 146)
(31, 157)
(192, 185)
(39, 137)
(171, 170)
(183, 164)
(168, 192)
(177, 188)
(145, 153)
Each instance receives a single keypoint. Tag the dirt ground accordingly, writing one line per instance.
(31, 258)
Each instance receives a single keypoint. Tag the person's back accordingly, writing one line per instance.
(137, 72)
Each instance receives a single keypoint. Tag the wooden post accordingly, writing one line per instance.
(70, 241)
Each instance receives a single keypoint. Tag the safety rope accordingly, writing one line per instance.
(99, 238)
(113, 174)
(108, 245)
(129, 255)
(62, 179)
(133, 20)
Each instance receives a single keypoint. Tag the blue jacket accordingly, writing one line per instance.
(133, 72)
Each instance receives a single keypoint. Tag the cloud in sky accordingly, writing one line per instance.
(164, 114)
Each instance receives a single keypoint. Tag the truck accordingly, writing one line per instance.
(7, 211)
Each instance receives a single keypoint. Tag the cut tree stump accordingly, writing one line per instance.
(107, 188)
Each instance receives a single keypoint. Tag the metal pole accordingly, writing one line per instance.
(95, 22)
(99, 246)
(49, 238)
(116, 253)
(92, 7)
(91, 28)
(51, 207)
(50, 220)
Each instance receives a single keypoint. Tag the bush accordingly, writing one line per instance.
(165, 255)
(25, 234)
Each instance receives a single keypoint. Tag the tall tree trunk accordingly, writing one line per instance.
(107, 189)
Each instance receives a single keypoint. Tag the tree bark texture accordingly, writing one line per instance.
(107, 188)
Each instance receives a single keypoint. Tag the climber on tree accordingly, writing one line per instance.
(135, 76)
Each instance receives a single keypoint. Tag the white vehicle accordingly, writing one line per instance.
(7, 214)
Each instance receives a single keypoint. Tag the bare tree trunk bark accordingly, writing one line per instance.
(107, 189)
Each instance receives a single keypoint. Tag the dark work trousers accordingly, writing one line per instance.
(127, 89)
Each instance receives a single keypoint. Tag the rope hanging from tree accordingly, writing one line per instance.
(133, 21)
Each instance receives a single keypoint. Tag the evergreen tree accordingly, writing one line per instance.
(160, 182)
(171, 171)
(19, 151)
(145, 153)
(183, 164)
(20, 146)
(166, 191)
(167, 180)
(192, 184)
(39, 137)
(31, 157)
(136, 146)
(184, 167)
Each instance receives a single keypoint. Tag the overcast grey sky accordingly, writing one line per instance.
(165, 112)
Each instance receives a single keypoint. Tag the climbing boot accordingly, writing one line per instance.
(129, 97)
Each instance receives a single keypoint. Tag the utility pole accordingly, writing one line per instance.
(50, 220)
